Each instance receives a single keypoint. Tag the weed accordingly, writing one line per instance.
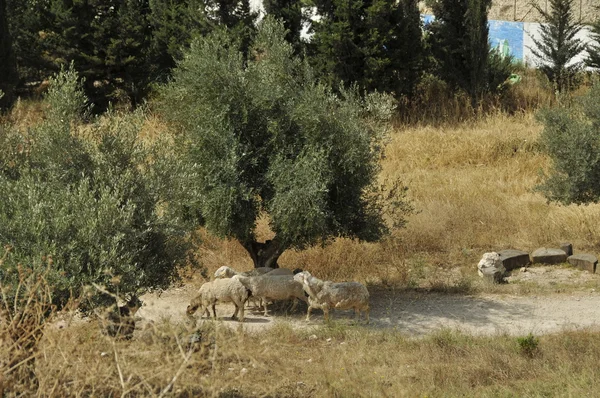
(528, 345)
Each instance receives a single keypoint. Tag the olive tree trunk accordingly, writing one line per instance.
(264, 254)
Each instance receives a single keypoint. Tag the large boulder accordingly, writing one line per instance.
(548, 256)
(490, 267)
(512, 259)
(585, 262)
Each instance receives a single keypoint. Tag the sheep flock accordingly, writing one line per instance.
(266, 285)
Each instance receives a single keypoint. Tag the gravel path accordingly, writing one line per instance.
(419, 314)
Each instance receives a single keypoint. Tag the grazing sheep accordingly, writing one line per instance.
(228, 272)
(277, 287)
(118, 321)
(220, 290)
(327, 295)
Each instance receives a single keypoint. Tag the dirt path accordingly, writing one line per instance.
(419, 314)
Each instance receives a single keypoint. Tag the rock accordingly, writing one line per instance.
(490, 267)
(585, 262)
(567, 248)
(548, 256)
(513, 259)
(524, 269)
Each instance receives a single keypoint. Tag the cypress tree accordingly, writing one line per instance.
(8, 72)
(374, 43)
(458, 39)
(290, 12)
(108, 43)
(236, 16)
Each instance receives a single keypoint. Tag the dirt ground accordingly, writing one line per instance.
(418, 314)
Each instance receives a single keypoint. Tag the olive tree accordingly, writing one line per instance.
(82, 204)
(264, 137)
(571, 137)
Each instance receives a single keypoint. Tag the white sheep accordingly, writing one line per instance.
(274, 287)
(223, 291)
(328, 295)
(228, 272)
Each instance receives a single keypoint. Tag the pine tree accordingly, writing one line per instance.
(108, 42)
(458, 39)
(8, 73)
(558, 45)
(236, 16)
(290, 12)
(374, 43)
(28, 25)
(173, 23)
(593, 59)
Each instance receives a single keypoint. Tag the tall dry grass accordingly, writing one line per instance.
(334, 361)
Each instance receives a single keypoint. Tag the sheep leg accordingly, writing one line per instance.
(264, 300)
(240, 306)
(308, 313)
(294, 304)
(214, 308)
(326, 313)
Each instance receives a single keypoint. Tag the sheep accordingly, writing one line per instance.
(118, 321)
(219, 290)
(228, 272)
(327, 295)
(276, 287)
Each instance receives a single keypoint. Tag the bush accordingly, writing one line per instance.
(87, 206)
(571, 136)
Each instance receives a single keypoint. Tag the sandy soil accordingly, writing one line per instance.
(418, 314)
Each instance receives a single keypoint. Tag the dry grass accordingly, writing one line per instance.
(335, 361)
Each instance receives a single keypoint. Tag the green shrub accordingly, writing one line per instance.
(86, 201)
(571, 136)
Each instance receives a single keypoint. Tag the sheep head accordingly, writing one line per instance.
(225, 272)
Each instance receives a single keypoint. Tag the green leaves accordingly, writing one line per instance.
(571, 136)
(92, 202)
(264, 137)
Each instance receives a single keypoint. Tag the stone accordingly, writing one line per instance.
(513, 259)
(490, 267)
(567, 248)
(585, 262)
(548, 256)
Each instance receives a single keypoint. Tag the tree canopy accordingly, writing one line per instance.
(265, 137)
